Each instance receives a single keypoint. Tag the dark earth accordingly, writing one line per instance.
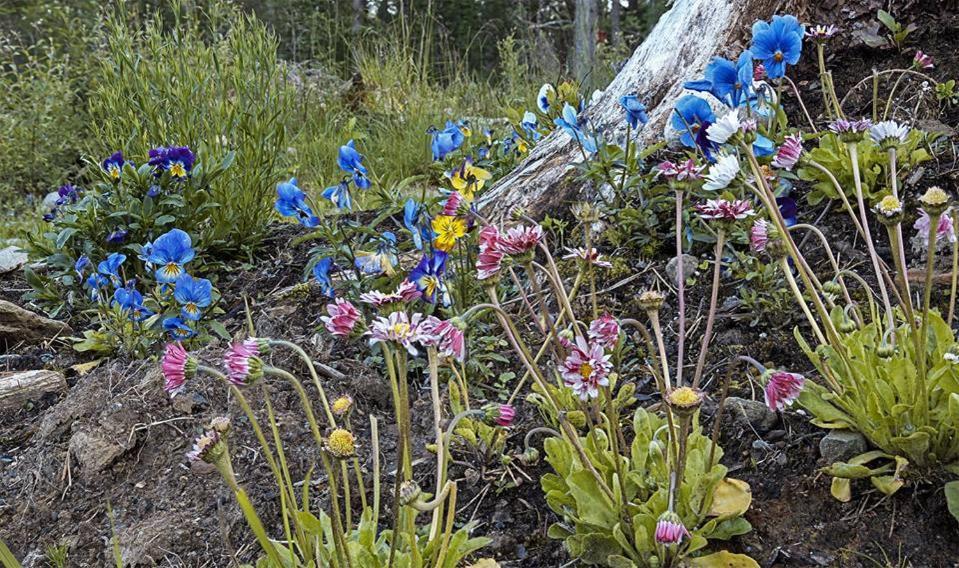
(106, 459)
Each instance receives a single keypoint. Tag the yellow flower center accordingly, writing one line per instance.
(341, 405)
(778, 56)
(684, 396)
(586, 370)
(400, 329)
(177, 170)
(341, 443)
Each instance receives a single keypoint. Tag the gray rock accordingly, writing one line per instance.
(11, 258)
(840, 445)
(190, 403)
(19, 325)
(95, 451)
(752, 413)
(690, 263)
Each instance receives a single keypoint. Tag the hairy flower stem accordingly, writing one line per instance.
(360, 484)
(854, 159)
(339, 543)
(787, 272)
(281, 457)
(249, 512)
(661, 347)
(895, 239)
(711, 314)
(541, 303)
(718, 417)
(587, 237)
(955, 269)
(316, 379)
(438, 431)
(680, 290)
(375, 435)
(894, 187)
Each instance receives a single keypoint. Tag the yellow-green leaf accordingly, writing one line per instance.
(723, 559)
(731, 498)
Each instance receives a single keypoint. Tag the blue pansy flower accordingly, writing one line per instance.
(111, 268)
(80, 266)
(67, 193)
(445, 141)
(291, 202)
(529, 124)
(691, 116)
(729, 82)
(570, 123)
(113, 165)
(777, 44)
(635, 111)
(178, 329)
(542, 98)
(351, 162)
(94, 282)
(339, 194)
(763, 146)
(428, 276)
(117, 236)
(131, 301)
(416, 220)
(383, 260)
(788, 209)
(193, 294)
(154, 190)
(170, 252)
(178, 160)
(321, 271)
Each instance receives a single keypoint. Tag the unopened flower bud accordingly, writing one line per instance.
(529, 457)
(684, 400)
(935, 200)
(651, 300)
(577, 418)
(409, 492)
(342, 406)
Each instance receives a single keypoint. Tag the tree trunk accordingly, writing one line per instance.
(614, 25)
(584, 40)
(676, 50)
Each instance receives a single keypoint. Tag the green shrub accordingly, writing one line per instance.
(211, 83)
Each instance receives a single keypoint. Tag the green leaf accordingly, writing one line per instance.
(887, 20)
(952, 498)
(723, 559)
(64, 236)
(219, 329)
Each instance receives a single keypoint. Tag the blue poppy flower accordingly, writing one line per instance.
(445, 141)
(729, 82)
(428, 276)
(570, 123)
(381, 261)
(691, 116)
(113, 165)
(117, 236)
(339, 194)
(321, 271)
(80, 266)
(529, 124)
(291, 202)
(178, 329)
(170, 252)
(777, 44)
(193, 294)
(351, 162)
(635, 111)
(417, 221)
(111, 268)
(178, 160)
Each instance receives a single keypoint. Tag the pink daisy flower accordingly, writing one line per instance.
(586, 368)
(670, 529)
(592, 256)
(759, 235)
(398, 328)
(242, 362)
(448, 339)
(605, 331)
(788, 153)
(177, 367)
(342, 319)
(782, 389)
(521, 239)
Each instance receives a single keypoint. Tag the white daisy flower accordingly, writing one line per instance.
(722, 173)
(723, 129)
(888, 132)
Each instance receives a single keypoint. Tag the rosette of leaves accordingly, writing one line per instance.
(833, 155)
(911, 420)
(620, 532)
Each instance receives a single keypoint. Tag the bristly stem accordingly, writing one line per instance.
(921, 397)
(711, 314)
(680, 289)
(955, 268)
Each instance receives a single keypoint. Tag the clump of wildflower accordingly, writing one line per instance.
(177, 366)
(670, 529)
(243, 363)
(759, 235)
(342, 319)
(922, 60)
(850, 131)
(788, 153)
(722, 173)
(398, 328)
(340, 444)
(935, 200)
(684, 400)
(889, 209)
(586, 368)
(605, 331)
(342, 406)
(782, 389)
(592, 256)
(725, 210)
(500, 414)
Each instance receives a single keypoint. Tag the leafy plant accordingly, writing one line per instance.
(896, 33)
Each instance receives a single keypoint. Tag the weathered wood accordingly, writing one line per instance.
(676, 50)
(19, 387)
(19, 325)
